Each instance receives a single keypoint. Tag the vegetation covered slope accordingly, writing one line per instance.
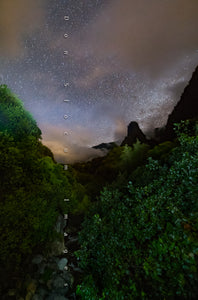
(140, 240)
(32, 186)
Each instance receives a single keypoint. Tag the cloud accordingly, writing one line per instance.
(120, 130)
(1, 79)
(143, 35)
(17, 19)
(77, 143)
(97, 73)
(126, 60)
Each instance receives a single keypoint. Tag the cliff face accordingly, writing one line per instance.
(134, 133)
(186, 108)
(105, 146)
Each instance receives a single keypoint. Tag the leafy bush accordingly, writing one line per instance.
(14, 118)
(142, 244)
(32, 185)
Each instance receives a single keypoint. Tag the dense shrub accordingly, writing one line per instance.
(32, 186)
(143, 244)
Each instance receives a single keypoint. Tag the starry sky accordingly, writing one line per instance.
(127, 60)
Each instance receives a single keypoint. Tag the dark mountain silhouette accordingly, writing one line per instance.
(186, 108)
(134, 133)
(105, 146)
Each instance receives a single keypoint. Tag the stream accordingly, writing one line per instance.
(54, 276)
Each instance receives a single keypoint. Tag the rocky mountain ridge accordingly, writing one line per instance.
(186, 108)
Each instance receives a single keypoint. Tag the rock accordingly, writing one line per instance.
(52, 265)
(62, 292)
(71, 241)
(57, 248)
(37, 259)
(31, 288)
(60, 224)
(37, 297)
(28, 296)
(42, 292)
(62, 263)
(41, 268)
(12, 292)
(72, 296)
(75, 269)
(58, 282)
(68, 278)
(56, 297)
(49, 284)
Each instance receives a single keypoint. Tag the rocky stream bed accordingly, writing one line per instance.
(56, 275)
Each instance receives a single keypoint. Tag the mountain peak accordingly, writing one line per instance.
(134, 132)
(186, 108)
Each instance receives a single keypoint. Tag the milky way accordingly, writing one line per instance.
(127, 60)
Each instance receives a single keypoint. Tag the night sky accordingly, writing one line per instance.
(128, 60)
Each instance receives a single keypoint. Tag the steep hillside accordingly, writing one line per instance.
(32, 191)
(186, 108)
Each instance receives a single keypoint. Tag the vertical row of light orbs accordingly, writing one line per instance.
(66, 85)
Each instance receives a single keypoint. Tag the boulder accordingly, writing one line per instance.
(41, 292)
(28, 296)
(68, 278)
(32, 287)
(62, 263)
(58, 283)
(57, 248)
(63, 291)
(56, 297)
(12, 292)
(60, 224)
(37, 297)
(37, 259)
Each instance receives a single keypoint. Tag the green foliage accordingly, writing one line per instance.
(88, 290)
(14, 118)
(117, 164)
(142, 243)
(162, 150)
(32, 185)
(94, 174)
(131, 158)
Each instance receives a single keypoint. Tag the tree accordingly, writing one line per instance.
(142, 243)
(32, 185)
